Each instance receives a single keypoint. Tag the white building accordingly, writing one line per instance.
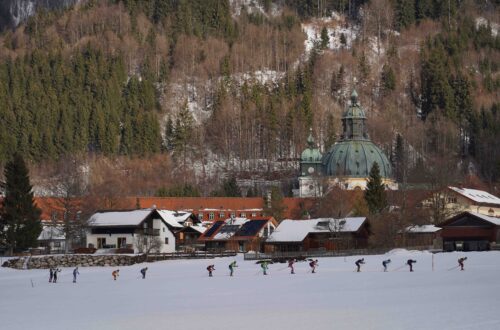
(52, 239)
(140, 230)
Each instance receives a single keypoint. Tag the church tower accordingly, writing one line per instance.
(310, 169)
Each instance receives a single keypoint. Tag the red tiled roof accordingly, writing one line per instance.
(199, 203)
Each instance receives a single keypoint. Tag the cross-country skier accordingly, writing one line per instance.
(410, 263)
(210, 269)
(461, 262)
(264, 266)
(358, 264)
(51, 274)
(143, 272)
(231, 267)
(56, 270)
(290, 265)
(385, 263)
(75, 272)
(115, 274)
(313, 264)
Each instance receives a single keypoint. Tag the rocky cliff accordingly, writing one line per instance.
(14, 12)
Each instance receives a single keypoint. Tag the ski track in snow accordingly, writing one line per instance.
(179, 295)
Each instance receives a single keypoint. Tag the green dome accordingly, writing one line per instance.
(355, 154)
(311, 153)
(355, 158)
(354, 110)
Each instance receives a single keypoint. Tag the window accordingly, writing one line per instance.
(101, 242)
(243, 215)
(211, 216)
(57, 244)
(166, 240)
(254, 214)
(233, 214)
(121, 242)
(163, 229)
(200, 216)
(221, 215)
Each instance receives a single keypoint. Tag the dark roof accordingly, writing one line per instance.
(251, 228)
(212, 230)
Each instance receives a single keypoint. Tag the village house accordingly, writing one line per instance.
(238, 234)
(52, 239)
(470, 231)
(142, 231)
(326, 234)
(455, 200)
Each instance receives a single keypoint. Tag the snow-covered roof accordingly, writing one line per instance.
(297, 230)
(236, 221)
(173, 218)
(478, 196)
(493, 220)
(200, 229)
(118, 218)
(422, 229)
(51, 233)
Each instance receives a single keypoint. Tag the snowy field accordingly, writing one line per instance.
(180, 295)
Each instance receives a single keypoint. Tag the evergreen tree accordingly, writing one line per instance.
(330, 136)
(363, 68)
(230, 188)
(275, 205)
(388, 78)
(325, 39)
(19, 219)
(399, 158)
(404, 13)
(375, 195)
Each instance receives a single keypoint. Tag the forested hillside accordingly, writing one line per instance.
(208, 87)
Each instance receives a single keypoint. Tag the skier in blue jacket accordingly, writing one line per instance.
(75, 273)
(385, 263)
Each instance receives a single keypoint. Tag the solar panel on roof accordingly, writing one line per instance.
(213, 229)
(229, 229)
(251, 228)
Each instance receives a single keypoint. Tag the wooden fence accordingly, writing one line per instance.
(311, 254)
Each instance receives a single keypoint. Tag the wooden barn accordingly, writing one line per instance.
(470, 231)
(320, 234)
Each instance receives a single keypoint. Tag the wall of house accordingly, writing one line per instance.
(165, 233)
(131, 239)
(111, 239)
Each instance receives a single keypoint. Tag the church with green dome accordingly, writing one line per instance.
(348, 162)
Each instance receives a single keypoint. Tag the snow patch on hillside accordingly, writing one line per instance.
(253, 7)
(481, 21)
(263, 77)
(336, 27)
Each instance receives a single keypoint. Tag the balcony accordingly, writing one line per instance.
(149, 232)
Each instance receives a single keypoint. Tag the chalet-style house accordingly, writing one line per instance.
(238, 234)
(148, 230)
(470, 231)
(319, 234)
(457, 199)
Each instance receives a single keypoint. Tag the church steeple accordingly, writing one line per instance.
(353, 120)
(310, 139)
